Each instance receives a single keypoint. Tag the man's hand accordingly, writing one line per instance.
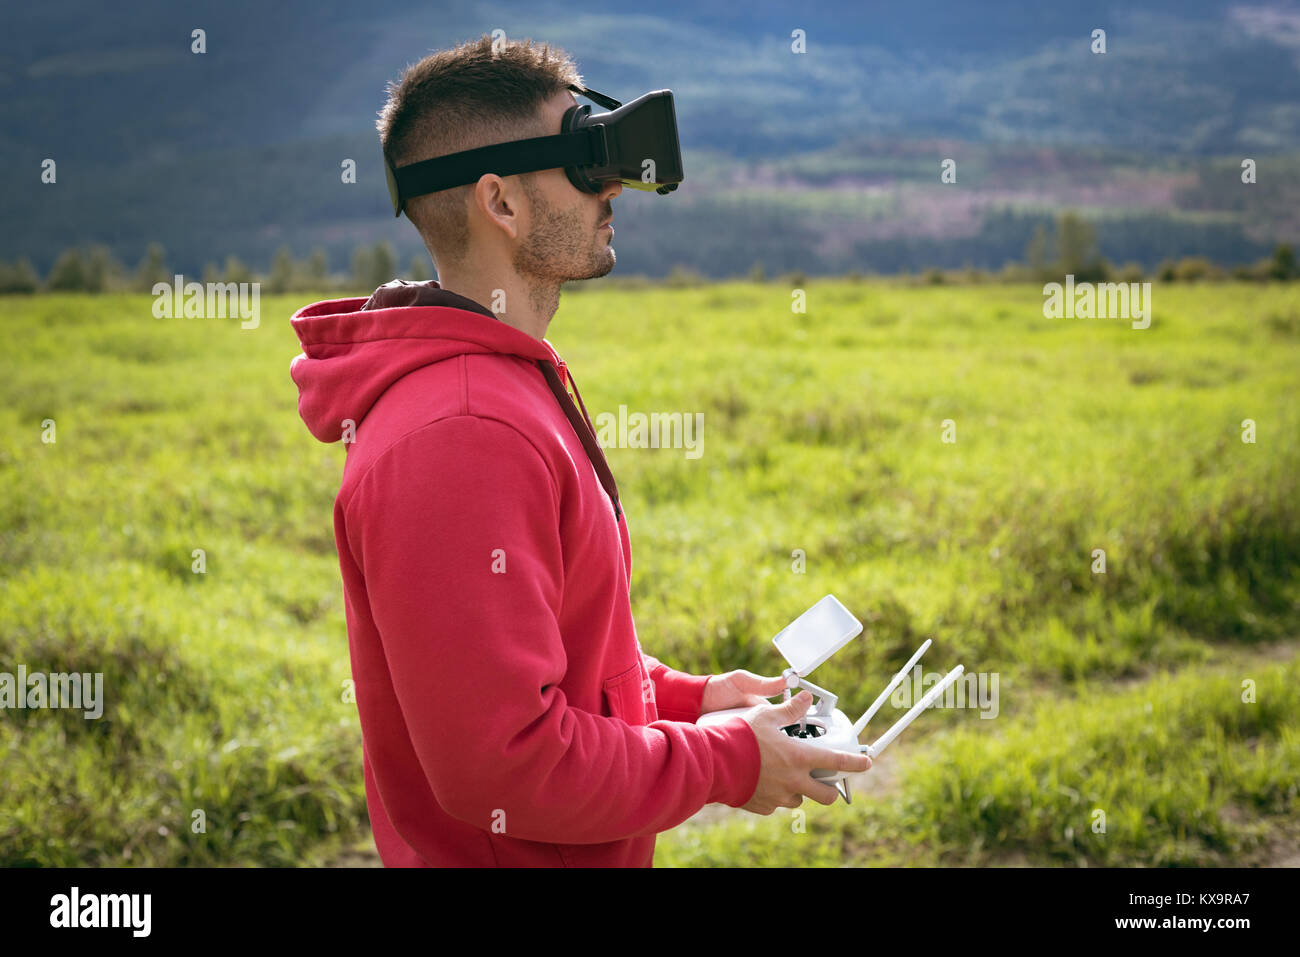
(787, 763)
(739, 689)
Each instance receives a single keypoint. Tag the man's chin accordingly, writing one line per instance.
(602, 267)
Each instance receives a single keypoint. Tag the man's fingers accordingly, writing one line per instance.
(788, 712)
(821, 793)
(844, 761)
(767, 686)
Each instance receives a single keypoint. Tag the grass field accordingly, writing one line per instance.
(1164, 693)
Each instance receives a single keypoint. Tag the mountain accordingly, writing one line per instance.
(824, 160)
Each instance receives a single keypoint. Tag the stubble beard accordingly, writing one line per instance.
(560, 247)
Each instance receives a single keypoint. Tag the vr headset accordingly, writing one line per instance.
(592, 149)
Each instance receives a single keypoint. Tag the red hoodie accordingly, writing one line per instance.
(508, 714)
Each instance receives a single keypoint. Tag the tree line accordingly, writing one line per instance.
(95, 269)
(1069, 248)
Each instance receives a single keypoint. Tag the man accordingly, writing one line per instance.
(508, 714)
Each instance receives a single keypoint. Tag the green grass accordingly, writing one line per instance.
(822, 434)
(1180, 771)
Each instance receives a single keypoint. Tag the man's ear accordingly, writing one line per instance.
(499, 202)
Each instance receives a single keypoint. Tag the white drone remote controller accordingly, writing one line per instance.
(807, 642)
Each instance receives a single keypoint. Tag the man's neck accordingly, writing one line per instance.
(527, 307)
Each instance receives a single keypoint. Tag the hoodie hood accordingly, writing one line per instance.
(354, 349)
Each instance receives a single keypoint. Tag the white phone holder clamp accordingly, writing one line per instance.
(806, 643)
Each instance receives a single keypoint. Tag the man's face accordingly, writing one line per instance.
(565, 235)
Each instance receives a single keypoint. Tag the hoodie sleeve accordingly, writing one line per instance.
(678, 696)
(476, 656)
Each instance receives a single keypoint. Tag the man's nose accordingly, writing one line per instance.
(610, 189)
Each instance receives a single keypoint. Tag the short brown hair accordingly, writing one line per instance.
(461, 99)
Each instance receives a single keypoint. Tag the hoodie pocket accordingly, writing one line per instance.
(627, 698)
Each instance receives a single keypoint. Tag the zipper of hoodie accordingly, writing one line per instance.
(581, 423)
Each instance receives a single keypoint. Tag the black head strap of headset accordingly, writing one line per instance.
(585, 146)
